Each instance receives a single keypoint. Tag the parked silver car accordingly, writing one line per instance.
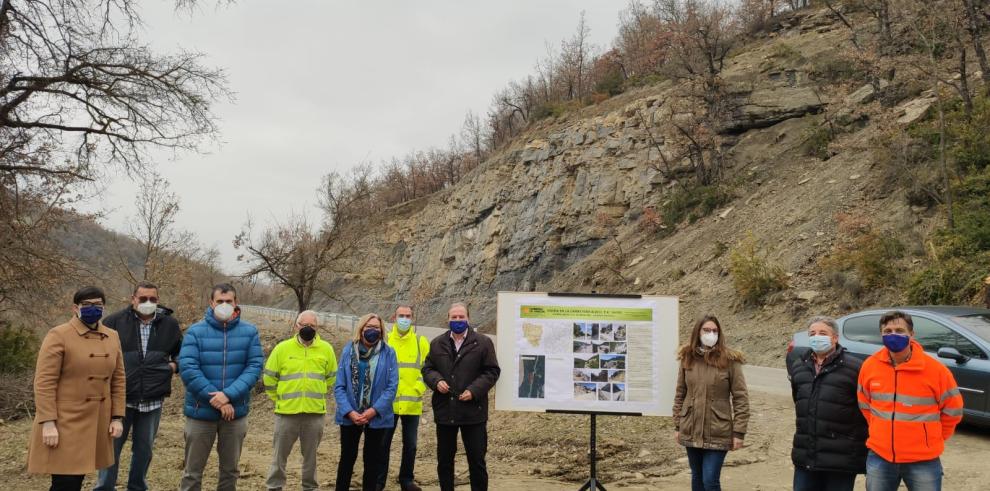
(959, 337)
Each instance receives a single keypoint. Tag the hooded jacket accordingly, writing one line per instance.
(220, 356)
(149, 375)
(711, 404)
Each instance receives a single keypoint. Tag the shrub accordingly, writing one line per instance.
(868, 252)
(816, 140)
(650, 221)
(959, 257)
(554, 109)
(611, 84)
(752, 274)
(693, 204)
(643, 80)
(18, 348)
(836, 68)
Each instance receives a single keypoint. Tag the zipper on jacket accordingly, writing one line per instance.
(893, 414)
(223, 369)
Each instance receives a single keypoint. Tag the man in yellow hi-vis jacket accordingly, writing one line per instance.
(297, 376)
(410, 350)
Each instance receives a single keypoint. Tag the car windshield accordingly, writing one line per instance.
(978, 324)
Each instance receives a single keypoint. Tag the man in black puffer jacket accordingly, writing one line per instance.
(830, 434)
(150, 339)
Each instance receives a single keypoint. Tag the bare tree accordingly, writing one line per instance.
(702, 34)
(302, 256)
(79, 93)
(472, 134)
(977, 18)
(153, 226)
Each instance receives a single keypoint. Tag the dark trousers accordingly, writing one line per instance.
(475, 439)
(805, 480)
(66, 482)
(350, 437)
(410, 430)
(142, 427)
(706, 468)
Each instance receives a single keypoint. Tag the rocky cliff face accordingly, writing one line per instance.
(534, 216)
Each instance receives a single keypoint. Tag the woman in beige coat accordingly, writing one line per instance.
(711, 407)
(79, 396)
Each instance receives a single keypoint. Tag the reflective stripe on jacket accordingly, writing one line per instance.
(297, 377)
(410, 351)
(911, 409)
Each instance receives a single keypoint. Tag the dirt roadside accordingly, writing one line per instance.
(526, 451)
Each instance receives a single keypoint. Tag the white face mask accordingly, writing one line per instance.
(223, 312)
(709, 338)
(147, 308)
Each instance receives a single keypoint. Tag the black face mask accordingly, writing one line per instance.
(307, 333)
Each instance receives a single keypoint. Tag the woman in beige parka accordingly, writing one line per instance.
(711, 407)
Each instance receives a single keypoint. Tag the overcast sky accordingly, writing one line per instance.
(323, 85)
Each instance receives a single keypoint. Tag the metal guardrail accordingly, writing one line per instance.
(344, 322)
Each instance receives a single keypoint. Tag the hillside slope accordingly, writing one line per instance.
(561, 208)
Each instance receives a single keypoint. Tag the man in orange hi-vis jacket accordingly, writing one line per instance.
(912, 406)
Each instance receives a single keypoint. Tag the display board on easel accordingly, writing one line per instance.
(586, 353)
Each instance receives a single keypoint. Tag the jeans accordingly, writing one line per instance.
(706, 467)
(805, 480)
(410, 428)
(308, 429)
(142, 427)
(350, 437)
(918, 476)
(475, 439)
(200, 435)
(67, 482)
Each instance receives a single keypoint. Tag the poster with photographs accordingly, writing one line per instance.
(586, 353)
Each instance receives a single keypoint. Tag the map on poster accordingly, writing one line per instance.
(586, 353)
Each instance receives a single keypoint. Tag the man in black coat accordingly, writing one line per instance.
(461, 368)
(150, 339)
(830, 434)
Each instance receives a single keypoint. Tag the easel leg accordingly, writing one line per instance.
(593, 484)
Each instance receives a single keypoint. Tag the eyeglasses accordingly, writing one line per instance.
(715, 331)
(147, 299)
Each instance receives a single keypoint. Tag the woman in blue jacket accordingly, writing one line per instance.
(367, 378)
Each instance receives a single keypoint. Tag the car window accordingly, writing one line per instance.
(933, 335)
(969, 349)
(978, 324)
(865, 329)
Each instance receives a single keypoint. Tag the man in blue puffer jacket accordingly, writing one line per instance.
(220, 361)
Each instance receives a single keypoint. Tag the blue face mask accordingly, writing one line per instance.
(90, 314)
(896, 342)
(458, 327)
(371, 335)
(403, 323)
(820, 344)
